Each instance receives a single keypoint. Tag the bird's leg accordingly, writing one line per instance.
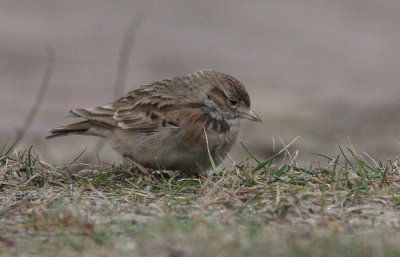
(194, 174)
(142, 168)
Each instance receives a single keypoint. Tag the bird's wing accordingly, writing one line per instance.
(149, 109)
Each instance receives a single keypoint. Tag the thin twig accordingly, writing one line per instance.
(124, 55)
(39, 99)
(123, 63)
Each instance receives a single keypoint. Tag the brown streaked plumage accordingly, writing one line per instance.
(166, 123)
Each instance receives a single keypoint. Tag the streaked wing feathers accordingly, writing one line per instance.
(154, 107)
(148, 114)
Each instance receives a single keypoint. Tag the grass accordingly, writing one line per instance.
(346, 205)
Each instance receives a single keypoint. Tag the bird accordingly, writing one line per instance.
(187, 123)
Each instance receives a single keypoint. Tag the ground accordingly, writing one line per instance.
(347, 205)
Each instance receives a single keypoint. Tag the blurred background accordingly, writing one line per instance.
(327, 71)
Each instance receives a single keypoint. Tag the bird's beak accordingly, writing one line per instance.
(250, 115)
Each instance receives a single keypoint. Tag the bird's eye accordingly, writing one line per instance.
(233, 102)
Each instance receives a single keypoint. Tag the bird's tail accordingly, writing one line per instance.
(79, 128)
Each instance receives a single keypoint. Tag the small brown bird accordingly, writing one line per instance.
(175, 123)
